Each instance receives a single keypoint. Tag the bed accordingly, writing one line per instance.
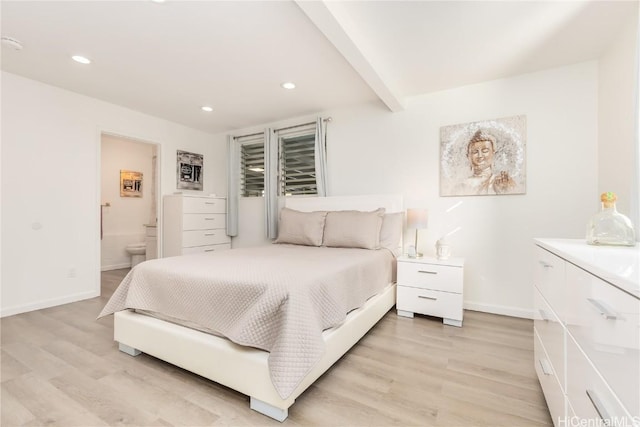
(272, 369)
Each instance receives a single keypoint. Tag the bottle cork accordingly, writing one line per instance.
(608, 199)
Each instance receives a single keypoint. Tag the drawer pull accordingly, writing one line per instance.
(209, 203)
(427, 272)
(209, 234)
(544, 365)
(209, 219)
(602, 309)
(597, 403)
(209, 250)
(545, 265)
(429, 298)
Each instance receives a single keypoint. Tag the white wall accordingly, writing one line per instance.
(403, 155)
(374, 151)
(617, 116)
(51, 186)
(123, 221)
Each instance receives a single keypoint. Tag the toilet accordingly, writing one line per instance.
(137, 252)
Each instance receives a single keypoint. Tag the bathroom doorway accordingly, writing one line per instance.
(129, 174)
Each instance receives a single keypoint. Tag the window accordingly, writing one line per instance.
(296, 162)
(252, 166)
(297, 165)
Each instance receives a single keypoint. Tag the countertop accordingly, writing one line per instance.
(618, 265)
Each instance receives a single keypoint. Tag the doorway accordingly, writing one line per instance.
(129, 182)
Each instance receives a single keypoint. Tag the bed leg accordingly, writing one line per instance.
(129, 350)
(269, 410)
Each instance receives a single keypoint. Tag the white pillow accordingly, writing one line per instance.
(353, 229)
(301, 228)
(391, 232)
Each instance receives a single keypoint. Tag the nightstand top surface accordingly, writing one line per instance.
(452, 262)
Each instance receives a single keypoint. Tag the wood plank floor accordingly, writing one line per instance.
(60, 367)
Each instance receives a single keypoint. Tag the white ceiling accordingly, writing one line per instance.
(169, 59)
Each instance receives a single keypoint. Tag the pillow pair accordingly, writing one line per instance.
(342, 229)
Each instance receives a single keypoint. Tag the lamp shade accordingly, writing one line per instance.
(417, 218)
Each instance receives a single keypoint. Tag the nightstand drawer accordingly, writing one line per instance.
(430, 276)
(433, 303)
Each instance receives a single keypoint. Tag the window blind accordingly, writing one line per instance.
(297, 165)
(252, 166)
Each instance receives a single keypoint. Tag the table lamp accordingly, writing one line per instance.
(416, 219)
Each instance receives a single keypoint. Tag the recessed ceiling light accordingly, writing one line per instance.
(158, 1)
(11, 43)
(206, 108)
(288, 85)
(81, 59)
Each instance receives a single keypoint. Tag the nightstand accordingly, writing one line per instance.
(431, 286)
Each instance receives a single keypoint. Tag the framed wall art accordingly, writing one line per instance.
(130, 184)
(189, 170)
(483, 158)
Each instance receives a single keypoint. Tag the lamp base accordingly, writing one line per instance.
(413, 250)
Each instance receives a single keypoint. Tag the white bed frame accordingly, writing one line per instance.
(245, 369)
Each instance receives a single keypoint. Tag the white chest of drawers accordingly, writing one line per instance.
(587, 332)
(432, 287)
(194, 224)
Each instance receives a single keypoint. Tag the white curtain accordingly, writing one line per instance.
(271, 183)
(321, 157)
(233, 185)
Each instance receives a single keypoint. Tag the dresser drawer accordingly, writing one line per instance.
(204, 238)
(588, 394)
(203, 221)
(605, 322)
(551, 334)
(551, 388)
(434, 303)
(203, 205)
(208, 248)
(430, 276)
(549, 279)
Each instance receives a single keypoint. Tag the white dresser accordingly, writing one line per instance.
(193, 224)
(587, 331)
(431, 286)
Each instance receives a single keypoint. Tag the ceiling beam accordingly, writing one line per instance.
(334, 22)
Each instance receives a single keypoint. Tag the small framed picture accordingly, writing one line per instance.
(189, 170)
(130, 184)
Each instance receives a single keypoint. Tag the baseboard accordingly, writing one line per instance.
(38, 305)
(499, 309)
(115, 266)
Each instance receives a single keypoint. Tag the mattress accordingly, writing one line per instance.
(278, 298)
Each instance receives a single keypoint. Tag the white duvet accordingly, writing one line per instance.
(278, 298)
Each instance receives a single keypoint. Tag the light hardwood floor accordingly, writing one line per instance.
(60, 367)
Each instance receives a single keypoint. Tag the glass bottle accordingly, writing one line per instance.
(608, 227)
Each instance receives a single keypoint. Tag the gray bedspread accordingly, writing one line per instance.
(278, 298)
